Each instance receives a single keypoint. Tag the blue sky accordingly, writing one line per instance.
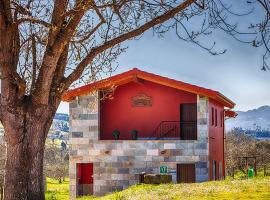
(236, 73)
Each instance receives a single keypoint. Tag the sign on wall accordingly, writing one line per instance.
(163, 169)
(141, 100)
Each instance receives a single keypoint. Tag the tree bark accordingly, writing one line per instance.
(26, 132)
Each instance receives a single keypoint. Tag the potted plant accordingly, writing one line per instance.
(116, 134)
(134, 134)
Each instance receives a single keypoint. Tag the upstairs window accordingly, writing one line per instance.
(221, 118)
(213, 117)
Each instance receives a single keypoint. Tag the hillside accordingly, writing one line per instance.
(229, 189)
(58, 131)
(256, 119)
(255, 123)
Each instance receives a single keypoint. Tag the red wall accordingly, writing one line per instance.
(216, 141)
(118, 113)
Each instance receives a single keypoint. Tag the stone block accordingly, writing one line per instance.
(201, 177)
(117, 188)
(73, 153)
(158, 159)
(170, 159)
(176, 152)
(201, 152)
(201, 165)
(93, 128)
(201, 146)
(123, 170)
(203, 158)
(123, 158)
(77, 134)
(83, 152)
(143, 158)
(169, 146)
(88, 116)
(152, 152)
(181, 145)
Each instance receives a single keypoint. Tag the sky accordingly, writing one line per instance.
(237, 74)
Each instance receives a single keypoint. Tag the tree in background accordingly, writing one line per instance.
(46, 46)
(262, 30)
(56, 162)
(238, 145)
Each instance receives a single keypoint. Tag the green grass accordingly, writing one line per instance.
(56, 191)
(257, 188)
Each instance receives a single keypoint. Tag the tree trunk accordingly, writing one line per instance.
(1, 192)
(26, 132)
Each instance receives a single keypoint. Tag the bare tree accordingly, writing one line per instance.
(262, 30)
(46, 46)
(239, 145)
(56, 162)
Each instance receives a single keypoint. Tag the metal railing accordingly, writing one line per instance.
(175, 129)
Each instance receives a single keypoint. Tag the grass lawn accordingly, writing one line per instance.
(56, 191)
(257, 188)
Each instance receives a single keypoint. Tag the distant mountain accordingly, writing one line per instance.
(60, 122)
(256, 119)
(255, 123)
(62, 117)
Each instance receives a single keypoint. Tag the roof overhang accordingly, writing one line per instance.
(136, 75)
(230, 114)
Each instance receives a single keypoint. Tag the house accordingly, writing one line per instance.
(180, 131)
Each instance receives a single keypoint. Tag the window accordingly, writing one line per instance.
(214, 170)
(220, 171)
(221, 118)
(215, 117)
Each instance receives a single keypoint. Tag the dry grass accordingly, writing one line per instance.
(228, 189)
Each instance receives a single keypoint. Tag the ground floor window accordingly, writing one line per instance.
(214, 171)
(186, 173)
(220, 171)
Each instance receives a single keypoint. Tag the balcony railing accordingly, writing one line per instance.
(175, 130)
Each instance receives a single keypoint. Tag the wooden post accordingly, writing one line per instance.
(233, 172)
(264, 170)
(246, 165)
(255, 166)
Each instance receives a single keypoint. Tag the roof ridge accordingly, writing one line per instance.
(128, 76)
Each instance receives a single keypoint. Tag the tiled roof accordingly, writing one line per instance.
(135, 74)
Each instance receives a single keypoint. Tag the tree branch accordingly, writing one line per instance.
(126, 36)
(32, 20)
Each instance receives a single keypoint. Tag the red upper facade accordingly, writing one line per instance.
(135, 75)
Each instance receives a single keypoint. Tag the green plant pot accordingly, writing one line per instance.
(116, 134)
(134, 134)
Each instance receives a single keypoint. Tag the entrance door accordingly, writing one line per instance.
(85, 178)
(186, 173)
(188, 121)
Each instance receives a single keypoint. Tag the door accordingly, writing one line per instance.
(188, 121)
(85, 179)
(186, 173)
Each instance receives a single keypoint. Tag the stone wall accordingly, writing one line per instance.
(118, 163)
